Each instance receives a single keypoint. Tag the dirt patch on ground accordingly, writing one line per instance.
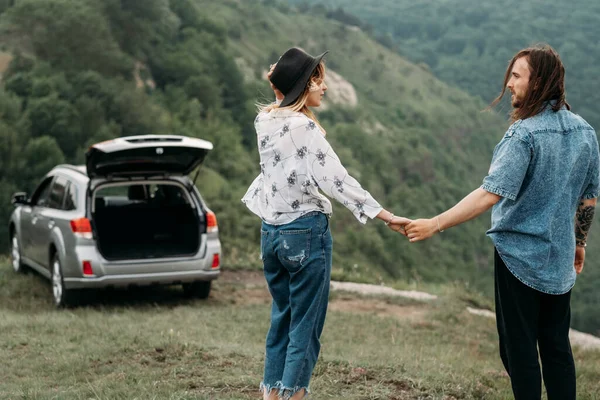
(244, 287)
(377, 307)
(245, 277)
(250, 296)
(249, 287)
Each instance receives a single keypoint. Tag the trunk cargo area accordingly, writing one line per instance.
(146, 221)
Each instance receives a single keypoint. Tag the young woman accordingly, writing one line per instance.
(296, 245)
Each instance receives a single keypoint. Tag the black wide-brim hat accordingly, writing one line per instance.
(292, 73)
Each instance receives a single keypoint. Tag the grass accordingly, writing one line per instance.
(154, 344)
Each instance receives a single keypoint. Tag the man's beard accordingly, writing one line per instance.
(516, 101)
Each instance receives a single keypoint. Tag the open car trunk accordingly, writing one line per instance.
(146, 155)
(146, 220)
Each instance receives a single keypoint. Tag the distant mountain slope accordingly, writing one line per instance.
(468, 44)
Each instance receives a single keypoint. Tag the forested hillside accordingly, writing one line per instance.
(82, 71)
(468, 44)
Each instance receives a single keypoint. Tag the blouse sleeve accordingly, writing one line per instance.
(333, 179)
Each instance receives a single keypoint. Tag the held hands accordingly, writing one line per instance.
(421, 229)
(398, 224)
(415, 230)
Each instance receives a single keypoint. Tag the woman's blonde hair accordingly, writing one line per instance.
(299, 105)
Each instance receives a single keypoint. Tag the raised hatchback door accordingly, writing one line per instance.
(146, 155)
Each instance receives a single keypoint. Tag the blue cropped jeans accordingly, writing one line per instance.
(297, 267)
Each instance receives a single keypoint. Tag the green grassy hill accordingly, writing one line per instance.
(154, 344)
(85, 71)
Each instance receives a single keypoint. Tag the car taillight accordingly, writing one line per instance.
(81, 227)
(211, 222)
(216, 261)
(87, 268)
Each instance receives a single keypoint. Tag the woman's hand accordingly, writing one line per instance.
(278, 95)
(398, 224)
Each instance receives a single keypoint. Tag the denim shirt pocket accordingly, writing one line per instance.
(294, 248)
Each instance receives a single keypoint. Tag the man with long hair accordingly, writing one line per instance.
(543, 184)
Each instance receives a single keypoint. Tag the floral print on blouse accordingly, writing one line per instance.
(295, 162)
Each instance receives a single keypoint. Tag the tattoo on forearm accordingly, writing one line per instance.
(583, 222)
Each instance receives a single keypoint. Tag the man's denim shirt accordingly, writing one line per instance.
(542, 168)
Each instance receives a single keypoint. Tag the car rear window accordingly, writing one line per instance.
(57, 193)
(151, 194)
(71, 197)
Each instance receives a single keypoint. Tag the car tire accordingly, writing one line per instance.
(198, 290)
(15, 254)
(62, 297)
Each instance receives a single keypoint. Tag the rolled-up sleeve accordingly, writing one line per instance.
(508, 168)
(333, 179)
(592, 187)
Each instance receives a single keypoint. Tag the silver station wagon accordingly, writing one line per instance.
(129, 217)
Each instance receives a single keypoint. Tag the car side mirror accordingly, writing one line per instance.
(20, 198)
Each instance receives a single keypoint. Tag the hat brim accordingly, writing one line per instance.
(301, 83)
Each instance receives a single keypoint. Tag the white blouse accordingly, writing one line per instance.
(295, 161)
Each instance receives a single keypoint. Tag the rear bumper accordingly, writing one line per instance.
(145, 279)
(166, 271)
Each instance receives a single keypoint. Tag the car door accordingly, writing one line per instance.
(47, 219)
(30, 217)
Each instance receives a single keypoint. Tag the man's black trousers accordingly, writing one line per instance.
(527, 318)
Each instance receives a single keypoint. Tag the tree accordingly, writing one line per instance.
(55, 118)
(40, 155)
(204, 89)
(137, 24)
(69, 34)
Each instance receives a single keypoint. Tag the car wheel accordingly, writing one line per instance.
(199, 290)
(15, 254)
(62, 296)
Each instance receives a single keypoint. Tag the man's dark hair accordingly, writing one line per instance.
(546, 82)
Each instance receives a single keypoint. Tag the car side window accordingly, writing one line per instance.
(71, 197)
(57, 194)
(40, 196)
